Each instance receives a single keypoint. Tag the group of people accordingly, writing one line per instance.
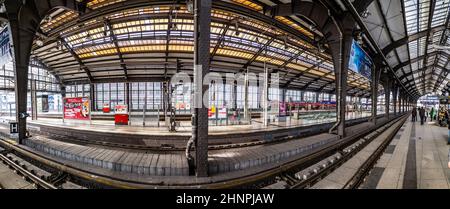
(424, 114)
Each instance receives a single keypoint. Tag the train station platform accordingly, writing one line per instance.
(105, 132)
(417, 157)
(152, 166)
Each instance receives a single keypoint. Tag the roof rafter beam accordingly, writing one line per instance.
(303, 72)
(430, 18)
(316, 79)
(221, 40)
(116, 44)
(256, 55)
(77, 58)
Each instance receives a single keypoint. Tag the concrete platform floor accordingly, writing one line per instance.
(416, 158)
(185, 126)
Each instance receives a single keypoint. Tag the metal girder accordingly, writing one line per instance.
(24, 18)
(385, 22)
(116, 44)
(202, 32)
(77, 58)
(169, 30)
(442, 40)
(303, 72)
(256, 55)
(325, 85)
(221, 39)
(316, 79)
(420, 70)
(364, 28)
(117, 80)
(50, 70)
(410, 38)
(226, 6)
(430, 17)
(410, 61)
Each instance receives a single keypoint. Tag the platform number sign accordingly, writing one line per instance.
(14, 129)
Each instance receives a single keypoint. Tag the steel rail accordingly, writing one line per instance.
(35, 179)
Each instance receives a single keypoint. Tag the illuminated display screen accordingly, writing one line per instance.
(359, 61)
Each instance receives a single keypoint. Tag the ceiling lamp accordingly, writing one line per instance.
(105, 28)
(39, 42)
(285, 42)
(365, 14)
(88, 37)
(190, 6)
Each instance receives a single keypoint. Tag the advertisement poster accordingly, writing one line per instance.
(282, 111)
(76, 108)
(5, 47)
(121, 109)
(45, 103)
(359, 61)
(222, 114)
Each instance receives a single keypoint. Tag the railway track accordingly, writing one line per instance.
(163, 148)
(284, 176)
(306, 178)
(39, 178)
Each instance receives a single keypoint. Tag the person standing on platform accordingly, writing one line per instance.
(421, 115)
(432, 113)
(414, 114)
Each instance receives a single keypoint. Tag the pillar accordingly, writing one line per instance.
(394, 95)
(265, 96)
(387, 95)
(33, 97)
(376, 72)
(234, 105)
(202, 30)
(22, 32)
(92, 97)
(246, 112)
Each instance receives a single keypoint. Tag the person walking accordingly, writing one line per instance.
(414, 114)
(421, 115)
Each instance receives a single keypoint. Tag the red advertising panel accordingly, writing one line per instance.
(76, 108)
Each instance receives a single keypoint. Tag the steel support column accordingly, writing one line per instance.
(376, 72)
(24, 18)
(394, 97)
(92, 97)
(202, 30)
(387, 95)
(22, 39)
(340, 49)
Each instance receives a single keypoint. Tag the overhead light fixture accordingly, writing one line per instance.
(88, 37)
(236, 26)
(359, 38)
(2, 7)
(365, 14)
(190, 6)
(321, 47)
(285, 42)
(105, 28)
(48, 18)
(39, 42)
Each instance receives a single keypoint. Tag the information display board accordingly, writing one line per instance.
(359, 61)
(76, 108)
(5, 47)
(45, 106)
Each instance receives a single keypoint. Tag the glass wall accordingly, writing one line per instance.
(46, 85)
